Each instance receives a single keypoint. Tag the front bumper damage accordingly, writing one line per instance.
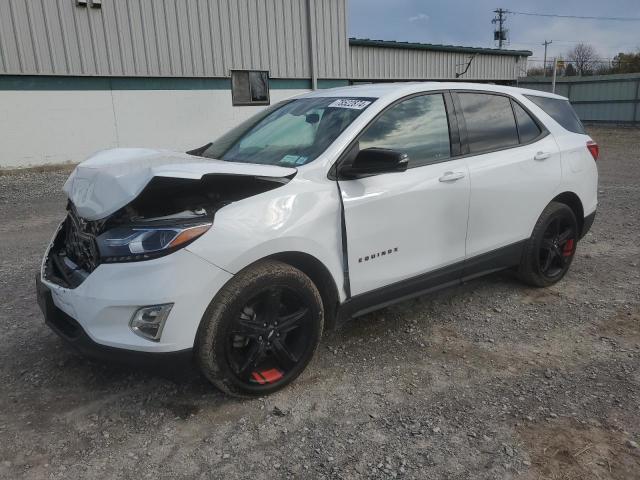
(89, 293)
(74, 335)
(94, 316)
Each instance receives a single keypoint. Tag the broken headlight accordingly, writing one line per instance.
(134, 243)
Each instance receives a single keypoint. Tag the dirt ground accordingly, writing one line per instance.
(489, 380)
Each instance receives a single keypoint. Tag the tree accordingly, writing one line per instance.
(626, 62)
(583, 57)
(535, 72)
(603, 68)
(570, 70)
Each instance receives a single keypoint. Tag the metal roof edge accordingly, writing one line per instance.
(366, 42)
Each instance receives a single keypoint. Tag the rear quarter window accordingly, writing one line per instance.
(528, 129)
(561, 111)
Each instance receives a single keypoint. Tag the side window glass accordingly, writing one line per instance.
(490, 121)
(560, 110)
(527, 127)
(417, 126)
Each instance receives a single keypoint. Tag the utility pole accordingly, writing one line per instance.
(501, 33)
(544, 65)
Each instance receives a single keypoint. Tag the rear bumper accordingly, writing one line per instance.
(72, 332)
(587, 224)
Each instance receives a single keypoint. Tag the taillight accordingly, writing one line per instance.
(594, 149)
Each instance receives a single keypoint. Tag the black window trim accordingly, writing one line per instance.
(515, 119)
(531, 116)
(463, 126)
(250, 103)
(452, 122)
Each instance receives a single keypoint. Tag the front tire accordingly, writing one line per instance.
(261, 330)
(550, 250)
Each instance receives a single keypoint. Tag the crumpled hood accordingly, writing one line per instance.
(109, 180)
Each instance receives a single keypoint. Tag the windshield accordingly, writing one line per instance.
(290, 133)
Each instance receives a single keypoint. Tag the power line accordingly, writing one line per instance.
(577, 17)
(605, 60)
(612, 44)
(599, 42)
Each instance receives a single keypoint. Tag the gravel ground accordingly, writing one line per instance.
(489, 380)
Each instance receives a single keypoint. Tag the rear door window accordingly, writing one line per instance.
(528, 129)
(560, 110)
(490, 122)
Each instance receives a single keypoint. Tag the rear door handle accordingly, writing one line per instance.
(451, 176)
(541, 156)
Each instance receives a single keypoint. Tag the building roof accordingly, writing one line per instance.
(366, 42)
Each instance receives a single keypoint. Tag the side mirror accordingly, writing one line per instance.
(374, 161)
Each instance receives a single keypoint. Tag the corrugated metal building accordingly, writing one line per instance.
(80, 75)
(375, 60)
(170, 38)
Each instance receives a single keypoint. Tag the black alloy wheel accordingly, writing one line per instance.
(270, 335)
(260, 330)
(550, 250)
(557, 247)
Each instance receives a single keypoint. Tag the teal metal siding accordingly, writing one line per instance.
(603, 98)
(605, 112)
(54, 82)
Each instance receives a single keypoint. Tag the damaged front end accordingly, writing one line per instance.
(80, 245)
(167, 215)
(73, 254)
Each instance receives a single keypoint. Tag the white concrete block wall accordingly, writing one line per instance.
(40, 127)
(47, 127)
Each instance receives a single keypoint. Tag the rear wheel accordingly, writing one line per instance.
(550, 250)
(261, 330)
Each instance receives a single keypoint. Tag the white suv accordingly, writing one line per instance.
(320, 208)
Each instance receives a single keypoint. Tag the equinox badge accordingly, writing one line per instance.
(378, 254)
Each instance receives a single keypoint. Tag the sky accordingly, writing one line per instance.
(468, 23)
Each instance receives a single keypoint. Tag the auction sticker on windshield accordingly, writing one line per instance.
(352, 103)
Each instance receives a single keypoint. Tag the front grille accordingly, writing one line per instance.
(79, 242)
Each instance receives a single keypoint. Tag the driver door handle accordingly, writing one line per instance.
(451, 176)
(541, 156)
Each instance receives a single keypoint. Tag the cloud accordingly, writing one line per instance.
(407, 20)
(420, 17)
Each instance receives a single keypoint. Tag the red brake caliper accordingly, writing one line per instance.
(267, 376)
(568, 248)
